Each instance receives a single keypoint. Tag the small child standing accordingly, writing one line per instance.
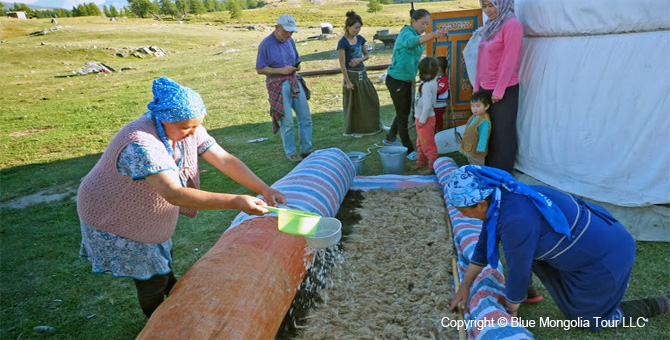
(424, 115)
(442, 92)
(478, 129)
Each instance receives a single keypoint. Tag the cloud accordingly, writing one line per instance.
(73, 3)
(118, 5)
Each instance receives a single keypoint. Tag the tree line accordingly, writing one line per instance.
(142, 9)
(31, 13)
(180, 8)
(90, 9)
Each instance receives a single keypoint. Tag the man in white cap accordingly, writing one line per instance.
(278, 60)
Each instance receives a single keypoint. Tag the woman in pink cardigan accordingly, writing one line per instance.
(498, 59)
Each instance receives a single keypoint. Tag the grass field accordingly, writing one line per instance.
(53, 130)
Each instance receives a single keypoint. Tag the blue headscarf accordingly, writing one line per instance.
(173, 103)
(472, 183)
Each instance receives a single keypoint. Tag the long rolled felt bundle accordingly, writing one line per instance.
(243, 286)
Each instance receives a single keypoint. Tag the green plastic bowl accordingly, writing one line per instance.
(296, 222)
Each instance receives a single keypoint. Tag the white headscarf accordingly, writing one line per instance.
(505, 10)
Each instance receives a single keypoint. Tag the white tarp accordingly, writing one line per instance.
(594, 115)
(591, 17)
(648, 223)
(594, 106)
(594, 109)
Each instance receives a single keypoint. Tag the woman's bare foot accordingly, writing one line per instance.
(416, 167)
(427, 171)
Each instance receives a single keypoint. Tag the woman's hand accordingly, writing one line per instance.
(464, 290)
(250, 205)
(461, 296)
(442, 32)
(272, 197)
(495, 99)
(350, 86)
(354, 62)
(511, 308)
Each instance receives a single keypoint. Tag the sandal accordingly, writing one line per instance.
(533, 296)
(294, 157)
(534, 299)
(394, 143)
(412, 156)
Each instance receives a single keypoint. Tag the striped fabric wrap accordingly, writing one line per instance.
(485, 309)
(392, 182)
(318, 184)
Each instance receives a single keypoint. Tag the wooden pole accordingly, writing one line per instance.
(337, 70)
(457, 284)
(457, 281)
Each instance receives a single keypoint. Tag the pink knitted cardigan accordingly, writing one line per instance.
(117, 204)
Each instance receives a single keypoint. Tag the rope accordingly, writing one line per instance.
(457, 136)
(373, 147)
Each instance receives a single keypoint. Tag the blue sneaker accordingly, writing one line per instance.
(412, 156)
(394, 143)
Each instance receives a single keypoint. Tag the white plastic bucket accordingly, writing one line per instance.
(446, 140)
(328, 233)
(326, 28)
(393, 159)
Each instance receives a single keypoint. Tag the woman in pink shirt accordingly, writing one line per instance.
(498, 59)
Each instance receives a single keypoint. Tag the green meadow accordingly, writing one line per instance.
(54, 127)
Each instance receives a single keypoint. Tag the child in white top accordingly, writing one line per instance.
(424, 115)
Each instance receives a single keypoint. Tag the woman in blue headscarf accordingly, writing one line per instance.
(582, 254)
(129, 203)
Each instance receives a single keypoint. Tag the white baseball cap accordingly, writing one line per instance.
(287, 22)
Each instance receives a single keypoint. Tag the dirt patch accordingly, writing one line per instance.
(394, 278)
(31, 131)
(44, 196)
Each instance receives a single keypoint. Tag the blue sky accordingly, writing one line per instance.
(68, 4)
